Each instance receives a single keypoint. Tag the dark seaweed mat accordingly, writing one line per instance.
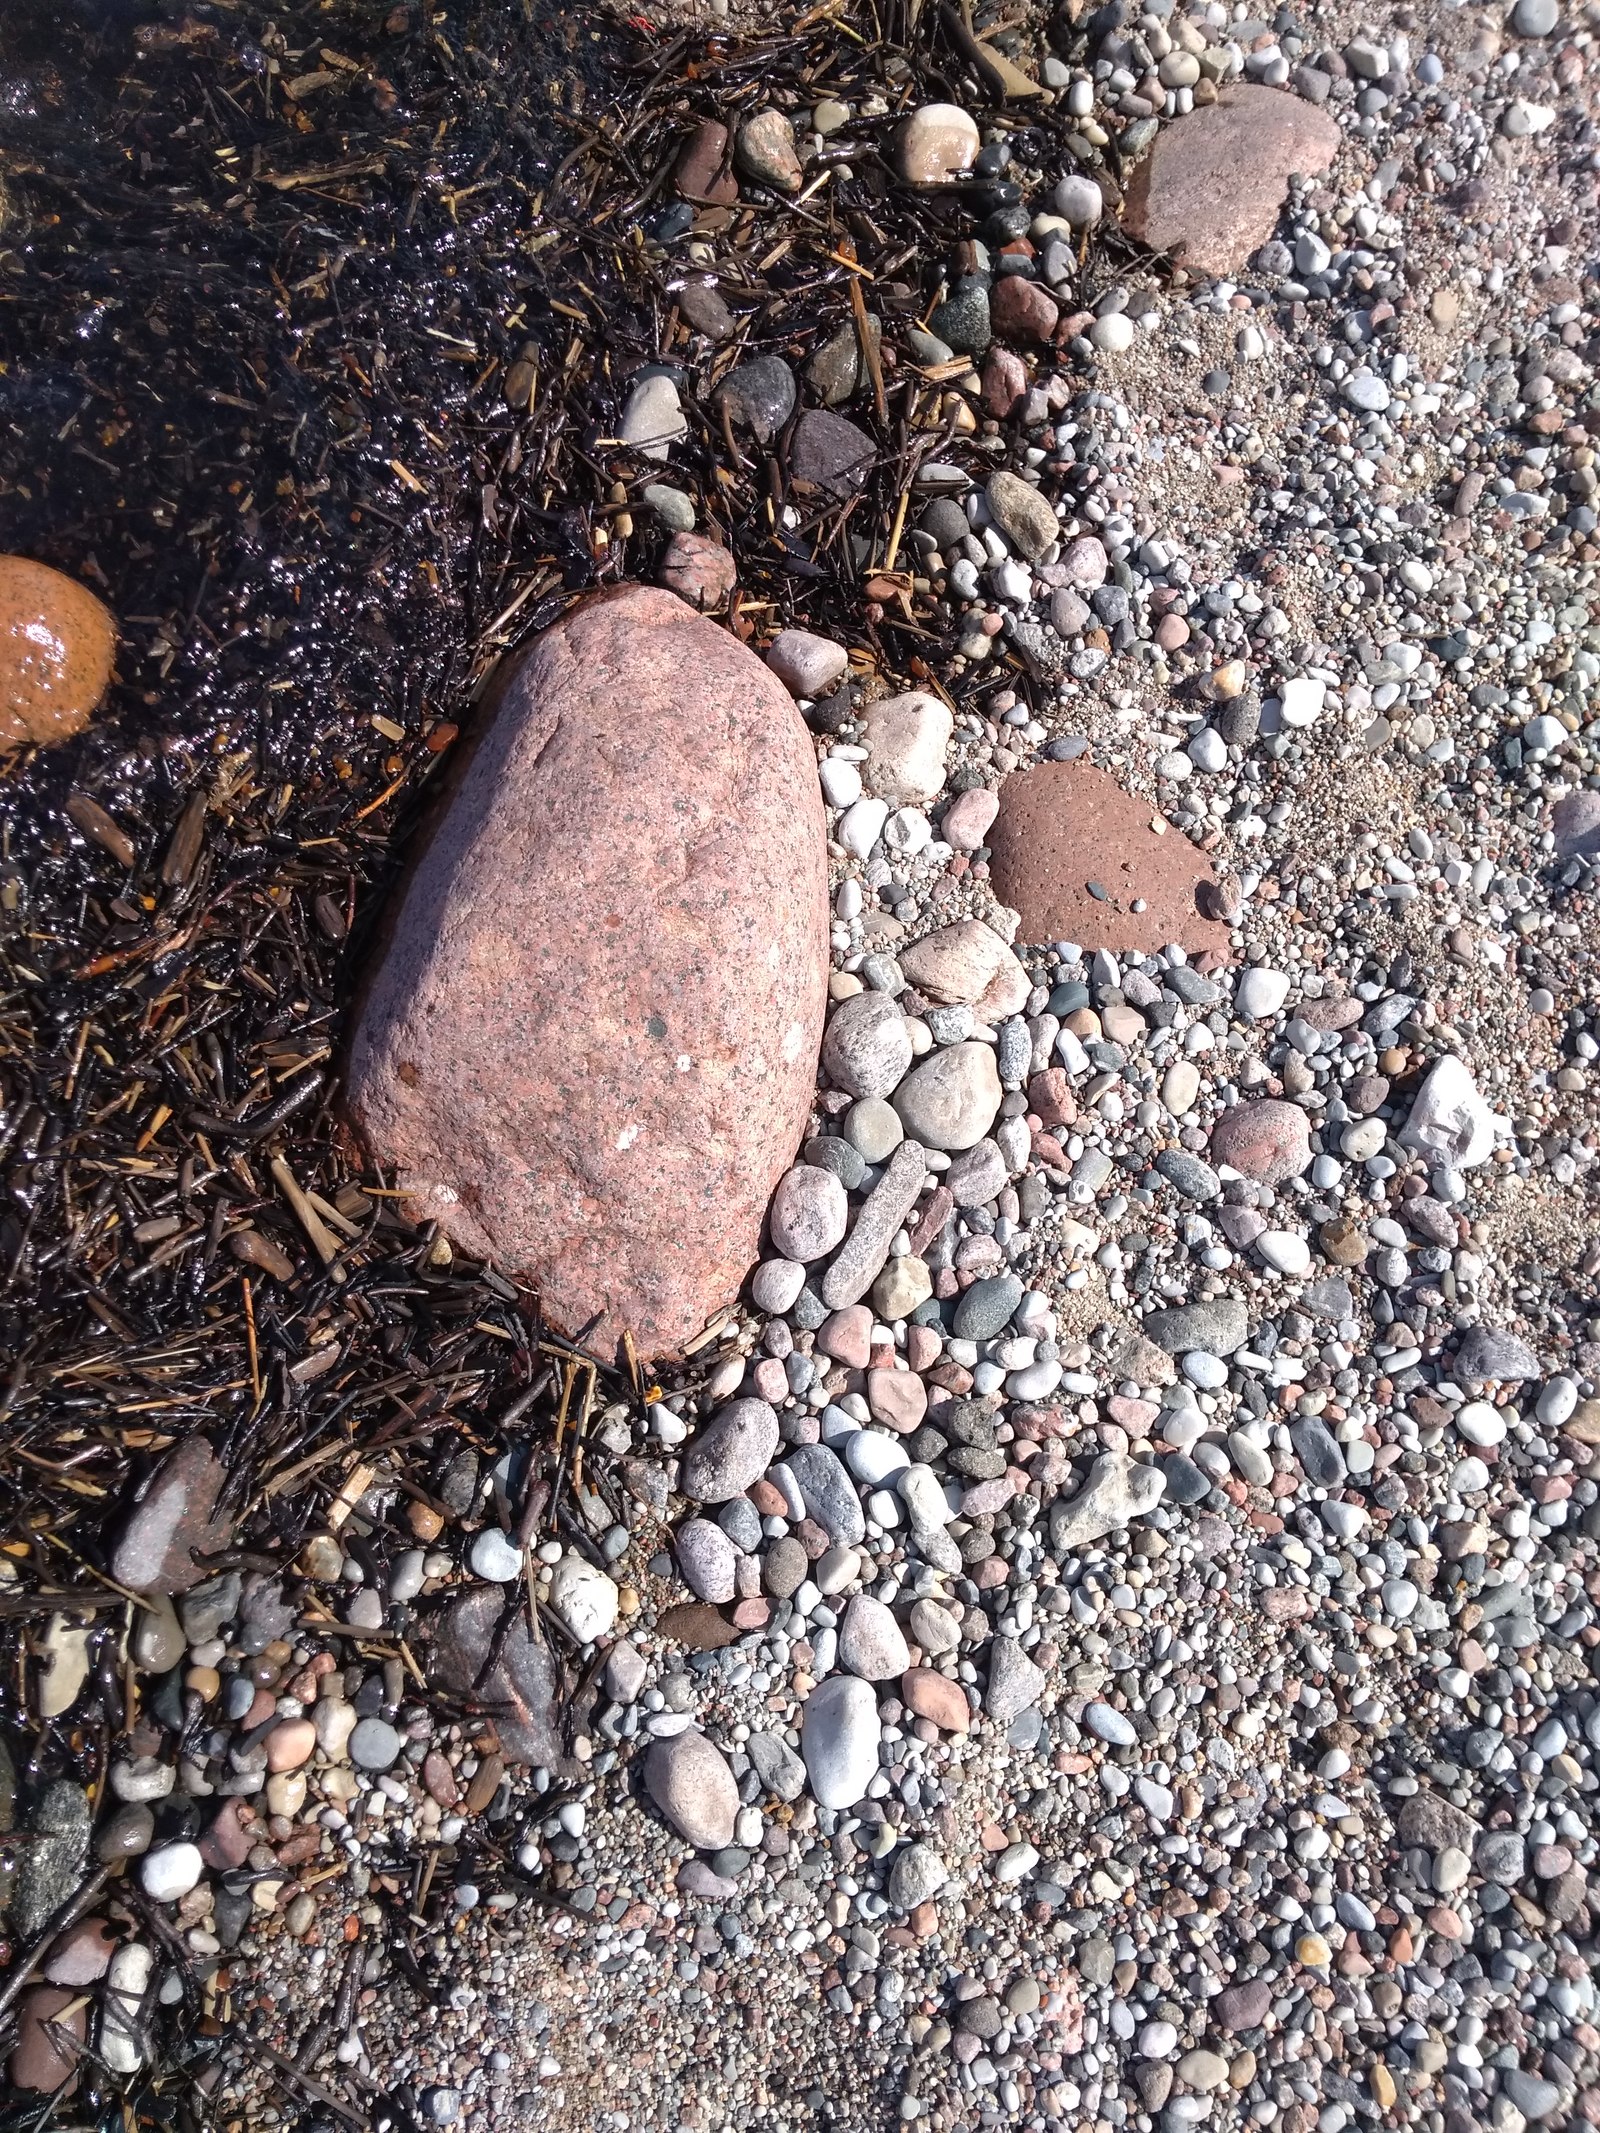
(258, 348)
(266, 422)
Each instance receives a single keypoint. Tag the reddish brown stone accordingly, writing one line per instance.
(699, 570)
(1050, 1097)
(1330, 1014)
(1062, 826)
(590, 1046)
(485, 1784)
(1213, 184)
(1266, 1140)
(936, 1697)
(57, 643)
(439, 1780)
(697, 1626)
(82, 1955)
(846, 1337)
(1005, 382)
(703, 174)
(898, 1399)
(231, 1833)
(40, 2062)
(1022, 310)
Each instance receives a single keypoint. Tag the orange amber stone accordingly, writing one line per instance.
(57, 643)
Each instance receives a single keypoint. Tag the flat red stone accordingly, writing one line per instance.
(1062, 826)
(590, 1046)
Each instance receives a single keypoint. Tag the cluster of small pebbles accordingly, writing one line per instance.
(1108, 1635)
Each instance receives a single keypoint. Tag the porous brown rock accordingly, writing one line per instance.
(1213, 184)
(589, 1046)
(1063, 827)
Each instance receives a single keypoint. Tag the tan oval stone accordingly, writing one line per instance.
(590, 1046)
(291, 1744)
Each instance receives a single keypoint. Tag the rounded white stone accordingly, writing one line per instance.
(170, 1871)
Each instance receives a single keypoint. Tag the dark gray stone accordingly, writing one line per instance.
(1219, 1327)
(759, 396)
(1485, 1353)
(986, 1307)
(1318, 1452)
(829, 1493)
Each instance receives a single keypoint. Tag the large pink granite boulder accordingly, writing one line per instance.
(590, 1046)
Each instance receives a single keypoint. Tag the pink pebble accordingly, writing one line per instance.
(291, 1744)
(1137, 1417)
(771, 1381)
(847, 1336)
(898, 1399)
(923, 1347)
(968, 818)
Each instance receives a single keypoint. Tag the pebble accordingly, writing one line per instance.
(495, 1558)
(1449, 1118)
(758, 396)
(1079, 201)
(653, 420)
(937, 142)
(1117, 1493)
(1015, 1683)
(806, 664)
(1022, 514)
(708, 1560)
(1266, 1139)
(866, 1049)
(906, 738)
(374, 1744)
(1110, 1726)
(916, 1875)
(688, 1778)
(839, 1740)
(170, 1871)
(767, 150)
(57, 646)
(809, 1213)
(951, 1100)
(864, 1251)
(584, 1598)
(871, 1642)
(734, 1449)
(1260, 993)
